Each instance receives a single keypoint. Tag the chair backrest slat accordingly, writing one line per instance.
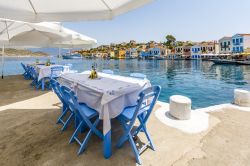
(67, 97)
(56, 88)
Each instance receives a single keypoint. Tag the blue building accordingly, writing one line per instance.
(196, 52)
(240, 42)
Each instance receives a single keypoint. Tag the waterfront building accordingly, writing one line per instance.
(120, 53)
(196, 52)
(131, 53)
(240, 43)
(209, 48)
(186, 52)
(179, 50)
(225, 45)
(157, 52)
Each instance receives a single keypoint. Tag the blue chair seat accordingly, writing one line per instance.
(129, 112)
(89, 112)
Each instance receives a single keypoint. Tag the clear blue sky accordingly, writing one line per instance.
(195, 20)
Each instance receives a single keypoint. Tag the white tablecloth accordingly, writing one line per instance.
(45, 71)
(109, 94)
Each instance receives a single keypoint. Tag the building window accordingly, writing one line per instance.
(241, 40)
(241, 49)
(228, 43)
(237, 49)
(233, 40)
(234, 49)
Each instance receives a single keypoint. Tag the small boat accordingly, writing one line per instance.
(243, 62)
(224, 61)
(72, 56)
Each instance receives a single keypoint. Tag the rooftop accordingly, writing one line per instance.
(226, 38)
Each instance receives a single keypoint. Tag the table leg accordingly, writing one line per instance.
(107, 145)
(43, 84)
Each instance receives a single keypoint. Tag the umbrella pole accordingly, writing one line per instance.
(59, 52)
(2, 60)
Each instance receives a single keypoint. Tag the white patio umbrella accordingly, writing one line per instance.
(77, 40)
(17, 33)
(66, 10)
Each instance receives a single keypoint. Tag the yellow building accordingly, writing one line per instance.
(120, 53)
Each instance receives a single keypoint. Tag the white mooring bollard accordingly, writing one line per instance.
(180, 107)
(242, 97)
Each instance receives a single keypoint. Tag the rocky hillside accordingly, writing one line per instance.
(22, 52)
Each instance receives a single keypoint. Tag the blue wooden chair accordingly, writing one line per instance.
(26, 73)
(69, 107)
(142, 111)
(138, 75)
(34, 76)
(56, 89)
(106, 71)
(56, 72)
(88, 118)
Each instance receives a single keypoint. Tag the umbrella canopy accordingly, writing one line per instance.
(18, 33)
(65, 10)
(77, 40)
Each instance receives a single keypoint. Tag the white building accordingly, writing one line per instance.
(131, 53)
(240, 43)
(225, 45)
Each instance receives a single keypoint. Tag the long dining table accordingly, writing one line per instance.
(45, 72)
(108, 95)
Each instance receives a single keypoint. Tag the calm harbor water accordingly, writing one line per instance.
(205, 83)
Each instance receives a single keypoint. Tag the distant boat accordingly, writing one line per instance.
(72, 56)
(243, 62)
(230, 62)
(224, 61)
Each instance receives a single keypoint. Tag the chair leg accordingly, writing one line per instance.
(67, 122)
(143, 127)
(132, 143)
(124, 138)
(75, 133)
(62, 115)
(86, 140)
(121, 141)
(148, 137)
